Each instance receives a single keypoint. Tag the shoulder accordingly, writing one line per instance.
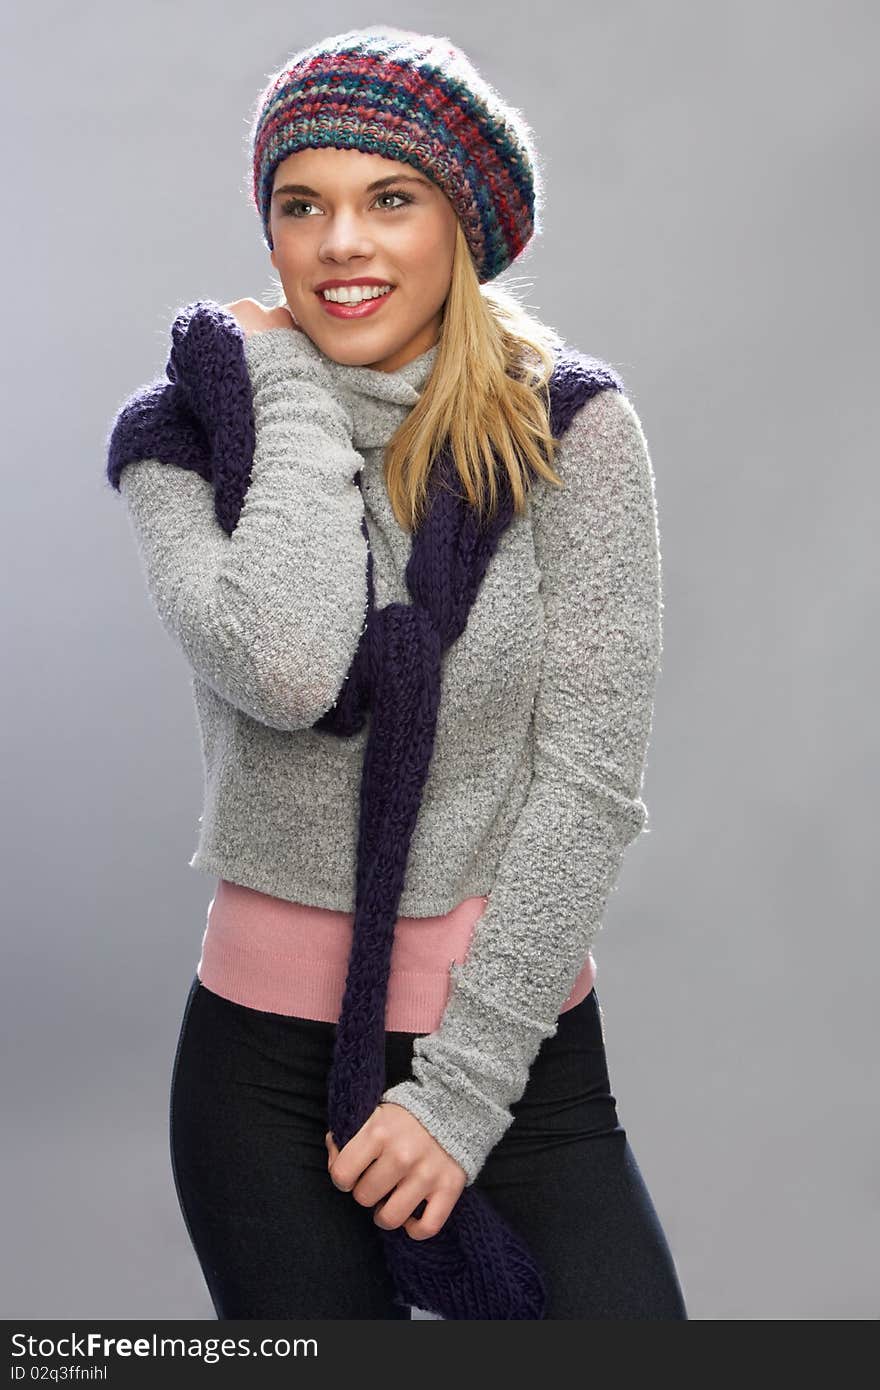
(590, 409)
(604, 511)
(606, 422)
(602, 458)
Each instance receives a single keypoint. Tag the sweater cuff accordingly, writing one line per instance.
(285, 350)
(468, 1132)
(469, 1072)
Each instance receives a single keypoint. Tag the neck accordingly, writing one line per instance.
(380, 400)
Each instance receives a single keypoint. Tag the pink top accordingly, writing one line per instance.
(287, 958)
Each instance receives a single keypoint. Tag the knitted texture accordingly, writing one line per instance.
(202, 418)
(418, 99)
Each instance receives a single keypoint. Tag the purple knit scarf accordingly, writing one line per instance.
(476, 1266)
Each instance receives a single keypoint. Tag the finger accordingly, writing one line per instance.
(432, 1220)
(380, 1180)
(356, 1156)
(407, 1198)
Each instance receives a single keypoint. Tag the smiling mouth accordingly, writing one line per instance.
(362, 309)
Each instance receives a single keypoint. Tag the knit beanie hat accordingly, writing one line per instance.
(418, 99)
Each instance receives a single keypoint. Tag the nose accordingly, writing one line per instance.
(345, 239)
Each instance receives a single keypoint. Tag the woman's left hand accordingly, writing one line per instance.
(253, 317)
(401, 1159)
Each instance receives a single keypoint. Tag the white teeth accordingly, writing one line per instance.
(345, 294)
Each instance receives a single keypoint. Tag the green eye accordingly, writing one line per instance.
(290, 208)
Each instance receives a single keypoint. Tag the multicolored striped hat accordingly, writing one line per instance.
(416, 98)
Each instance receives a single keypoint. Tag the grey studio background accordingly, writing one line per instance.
(711, 228)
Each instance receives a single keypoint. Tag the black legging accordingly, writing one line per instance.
(276, 1239)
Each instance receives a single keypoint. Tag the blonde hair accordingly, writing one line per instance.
(504, 354)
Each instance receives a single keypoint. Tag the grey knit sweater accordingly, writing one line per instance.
(534, 788)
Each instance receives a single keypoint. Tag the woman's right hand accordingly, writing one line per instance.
(253, 317)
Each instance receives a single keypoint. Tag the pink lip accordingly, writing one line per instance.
(354, 311)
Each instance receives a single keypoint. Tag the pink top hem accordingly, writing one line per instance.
(289, 958)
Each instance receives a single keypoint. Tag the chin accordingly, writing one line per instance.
(354, 354)
(353, 357)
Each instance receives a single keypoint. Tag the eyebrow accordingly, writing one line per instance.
(377, 183)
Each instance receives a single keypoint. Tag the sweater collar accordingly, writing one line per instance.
(379, 401)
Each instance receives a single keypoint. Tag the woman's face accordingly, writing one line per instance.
(328, 222)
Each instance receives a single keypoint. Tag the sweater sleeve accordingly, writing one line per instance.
(271, 615)
(597, 546)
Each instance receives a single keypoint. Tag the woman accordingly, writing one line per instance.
(456, 912)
